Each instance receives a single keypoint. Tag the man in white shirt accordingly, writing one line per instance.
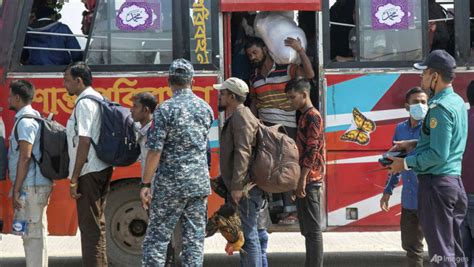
(26, 176)
(90, 177)
(144, 105)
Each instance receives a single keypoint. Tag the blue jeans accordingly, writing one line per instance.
(263, 238)
(249, 208)
(467, 230)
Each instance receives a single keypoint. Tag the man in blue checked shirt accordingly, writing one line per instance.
(412, 237)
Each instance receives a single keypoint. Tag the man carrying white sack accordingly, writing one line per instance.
(270, 104)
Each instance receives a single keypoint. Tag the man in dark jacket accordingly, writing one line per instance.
(45, 26)
(236, 141)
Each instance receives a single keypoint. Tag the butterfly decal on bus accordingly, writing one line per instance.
(359, 131)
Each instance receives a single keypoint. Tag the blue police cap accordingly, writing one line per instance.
(185, 67)
(439, 60)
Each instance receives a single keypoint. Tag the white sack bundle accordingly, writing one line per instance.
(274, 28)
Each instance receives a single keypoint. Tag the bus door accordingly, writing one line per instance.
(239, 25)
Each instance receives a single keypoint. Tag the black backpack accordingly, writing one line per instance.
(118, 144)
(54, 161)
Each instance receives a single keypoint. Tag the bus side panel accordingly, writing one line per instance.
(52, 97)
(355, 180)
(354, 187)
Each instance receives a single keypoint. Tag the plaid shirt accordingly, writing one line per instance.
(311, 145)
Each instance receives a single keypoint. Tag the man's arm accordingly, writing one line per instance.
(152, 162)
(26, 138)
(307, 68)
(441, 126)
(81, 157)
(21, 170)
(314, 137)
(243, 130)
(253, 103)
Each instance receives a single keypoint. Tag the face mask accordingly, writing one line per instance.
(418, 111)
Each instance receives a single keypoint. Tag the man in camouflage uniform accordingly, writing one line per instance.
(177, 141)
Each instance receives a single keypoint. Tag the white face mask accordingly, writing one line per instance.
(418, 111)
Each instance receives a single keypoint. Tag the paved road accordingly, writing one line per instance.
(285, 249)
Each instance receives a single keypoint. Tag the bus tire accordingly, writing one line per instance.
(126, 223)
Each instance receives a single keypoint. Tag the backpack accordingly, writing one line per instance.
(54, 161)
(275, 167)
(117, 144)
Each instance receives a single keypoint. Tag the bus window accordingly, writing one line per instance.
(388, 32)
(126, 32)
(53, 34)
(374, 31)
(441, 25)
(1, 8)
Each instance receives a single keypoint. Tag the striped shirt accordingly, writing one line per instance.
(272, 104)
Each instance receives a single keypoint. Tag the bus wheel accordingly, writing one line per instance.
(126, 223)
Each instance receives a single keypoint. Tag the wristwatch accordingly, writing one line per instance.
(147, 185)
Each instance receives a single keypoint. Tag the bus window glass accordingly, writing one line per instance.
(341, 16)
(441, 25)
(131, 32)
(388, 31)
(201, 31)
(53, 35)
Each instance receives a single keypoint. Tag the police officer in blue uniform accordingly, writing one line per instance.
(437, 161)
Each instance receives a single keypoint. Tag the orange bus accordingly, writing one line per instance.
(130, 54)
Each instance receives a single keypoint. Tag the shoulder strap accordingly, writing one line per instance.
(91, 97)
(15, 131)
(27, 116)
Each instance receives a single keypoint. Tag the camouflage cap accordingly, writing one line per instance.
(181, 64)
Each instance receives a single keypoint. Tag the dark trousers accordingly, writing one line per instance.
(93, 188)
(442, 206)
(467, 231)
(309, 216)
(412, 237)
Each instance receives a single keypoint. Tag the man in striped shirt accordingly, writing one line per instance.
(268, 99)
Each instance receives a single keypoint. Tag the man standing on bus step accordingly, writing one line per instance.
(437, 161)
(311, 146)
(236, 141)
(412, 237)
(25, 174)
(177, 164)
(467, 175)
(90, 177)
(268, 99)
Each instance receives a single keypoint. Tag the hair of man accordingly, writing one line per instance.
(146, 99)
(413, 91)
(80, 70)
(254, 41)
(24, 89)
(298, 84)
